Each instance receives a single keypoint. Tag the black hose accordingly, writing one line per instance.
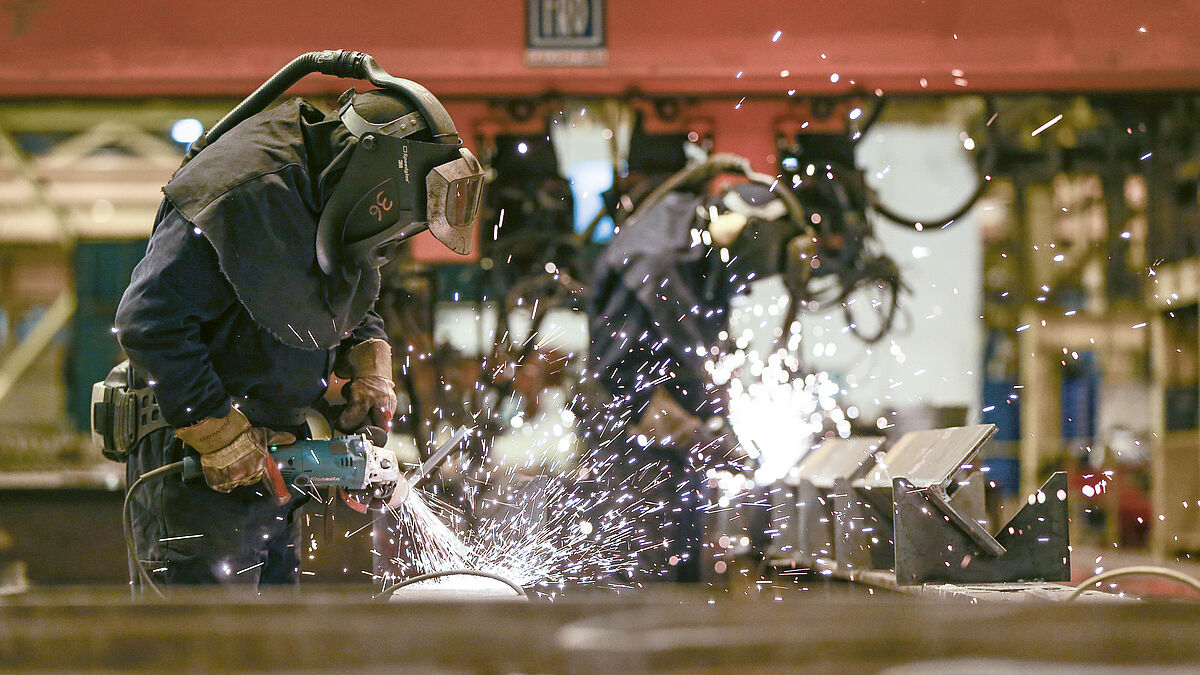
(892, 287)
(339, 63)
(127, 522)
(872, 118)
(987, 164)
(925, 224)
(446, 573)
(705, 170)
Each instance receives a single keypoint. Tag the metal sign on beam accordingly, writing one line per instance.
(565, 33)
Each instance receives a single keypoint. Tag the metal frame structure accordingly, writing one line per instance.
(54, 188)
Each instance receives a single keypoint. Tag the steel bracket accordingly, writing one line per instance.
(937, 540)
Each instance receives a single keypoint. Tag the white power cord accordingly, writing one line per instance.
(1135, 569)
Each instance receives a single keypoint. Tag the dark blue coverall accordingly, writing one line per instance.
(186, 327)
(659, 297)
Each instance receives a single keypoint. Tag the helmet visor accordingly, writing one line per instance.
(453, 192)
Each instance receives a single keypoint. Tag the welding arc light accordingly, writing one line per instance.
(187, 130)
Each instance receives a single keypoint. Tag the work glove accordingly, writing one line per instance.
(666, 423)
(234, 453)
(371, 393)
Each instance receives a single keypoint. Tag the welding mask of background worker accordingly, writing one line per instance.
(770, 243)
(395, 187)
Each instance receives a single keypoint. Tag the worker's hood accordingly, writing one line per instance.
(256, 194)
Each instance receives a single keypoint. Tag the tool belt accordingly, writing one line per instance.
(124, 411)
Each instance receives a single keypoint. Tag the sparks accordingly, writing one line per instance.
(1047, 125)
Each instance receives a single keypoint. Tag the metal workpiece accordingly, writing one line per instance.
(847, 458)
(819, 495)
(918, 516)
(938, 542)
(929, 457)
(743, 530)
(783, 519)
(813, 530)
(862, 527)
(864, 509)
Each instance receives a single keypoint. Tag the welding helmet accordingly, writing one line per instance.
(408, 173)
(773, 240)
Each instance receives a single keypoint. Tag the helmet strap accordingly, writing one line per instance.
(399, 128)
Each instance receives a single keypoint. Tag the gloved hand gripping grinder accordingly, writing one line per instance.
(353, 463)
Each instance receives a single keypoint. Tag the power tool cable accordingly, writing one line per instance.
(127, 521)
(446, 573)
(1151, 570)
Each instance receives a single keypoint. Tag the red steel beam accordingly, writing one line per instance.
(461, 48)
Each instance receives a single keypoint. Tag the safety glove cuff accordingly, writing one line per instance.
(214, 433)
(370, 358)
(233, 453)
(371, 395)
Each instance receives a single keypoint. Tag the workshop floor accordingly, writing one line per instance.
(659, 630)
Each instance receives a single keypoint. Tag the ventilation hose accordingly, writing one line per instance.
(983, 172)
(339, 63)
(718, 164)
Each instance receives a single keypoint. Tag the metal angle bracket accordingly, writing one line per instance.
(862, 527)
(813, 533)
(938, 542)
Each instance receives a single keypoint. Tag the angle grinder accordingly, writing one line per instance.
(364, 470)
(354, 463)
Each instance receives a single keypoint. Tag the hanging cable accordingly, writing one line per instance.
(984, 167)
(873, 117)
(1164, 572)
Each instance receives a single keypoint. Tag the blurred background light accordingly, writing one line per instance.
(186, 130)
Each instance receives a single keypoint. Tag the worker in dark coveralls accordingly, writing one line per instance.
(661, 294)
(259, 283)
